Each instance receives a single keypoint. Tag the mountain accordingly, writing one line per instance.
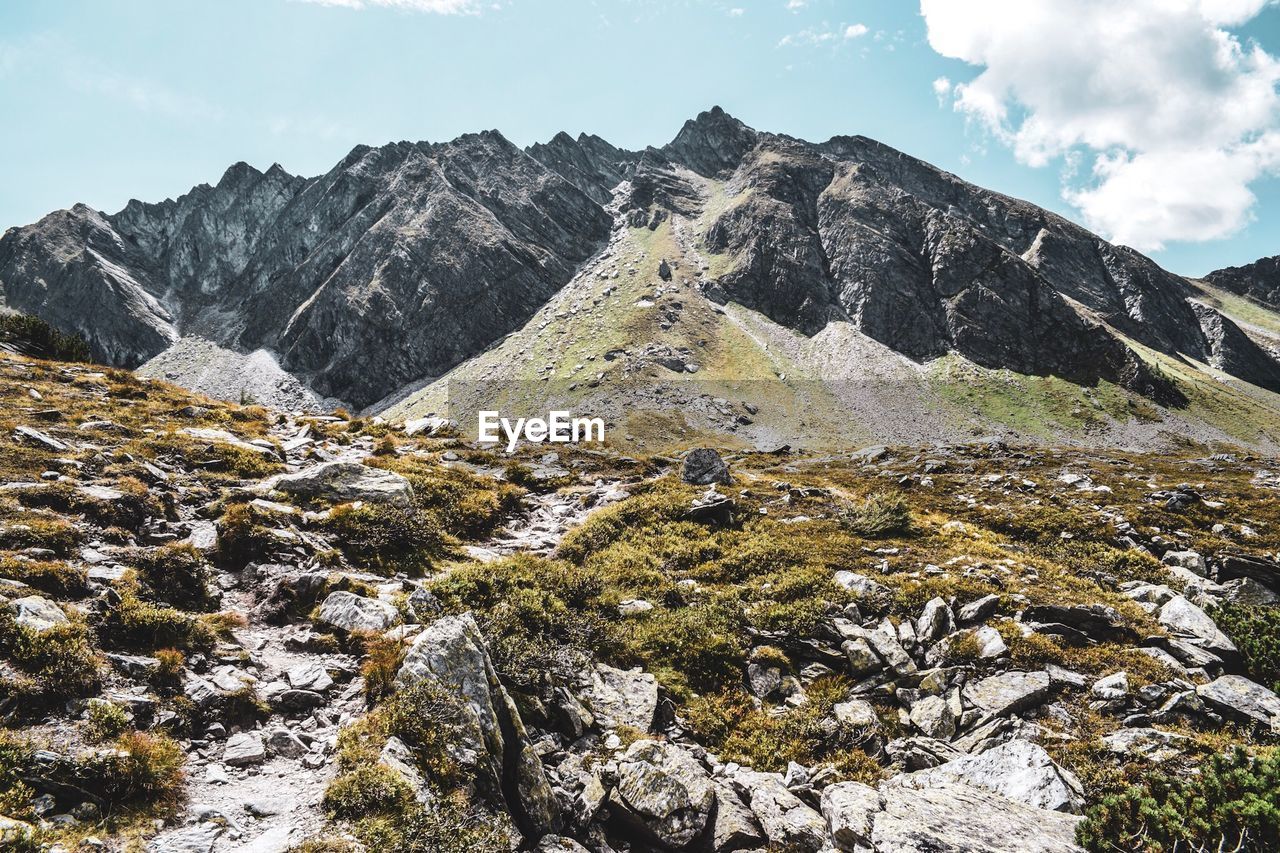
(1259, 281)
(729, 254)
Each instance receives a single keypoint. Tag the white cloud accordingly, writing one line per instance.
(736, 12)
(796, 5)
(814, 36)
(438, 7)
(1177, 114)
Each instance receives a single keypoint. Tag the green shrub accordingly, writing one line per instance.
(367, 790)
(137, 625)
(56, 579)
(241, 539)
(878, 515)
(731, 724)
(105, 721)
(142, 769)
(175, 574)
(61, 658)
(128, 511)
(34, 337)
(35, 531)
(1233, 804)
(1255, 629)
(386, 539)
(451, 825)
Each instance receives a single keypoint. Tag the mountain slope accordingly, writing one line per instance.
(729, 254)
(465, 239)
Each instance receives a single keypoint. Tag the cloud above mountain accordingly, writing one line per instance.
(1174, 115)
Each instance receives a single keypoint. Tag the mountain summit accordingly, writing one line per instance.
(407, 262)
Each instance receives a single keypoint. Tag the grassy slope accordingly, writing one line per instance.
(831, 391)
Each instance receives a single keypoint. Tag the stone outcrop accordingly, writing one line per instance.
(452, 654)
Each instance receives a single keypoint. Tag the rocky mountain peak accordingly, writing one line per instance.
(712, 143)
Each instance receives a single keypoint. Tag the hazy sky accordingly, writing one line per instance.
(1155, 122)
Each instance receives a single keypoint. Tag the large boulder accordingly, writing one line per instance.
(36, 613)
(787, 822)
(945, 816)
(351, 612)
(452, 654)
(1009, 692)
(620, 697)
(1018, 769)
(703, 466)
(663, 793)
(962, 818)
(1242, 699)
(1182, 617)
(342, 482)
(1096, 622)
(850, 809)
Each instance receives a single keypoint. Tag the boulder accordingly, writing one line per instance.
(36, 613)
(14, 832)
(452, 654)
(309, 676)
(862, 659)
(244, 748)
(1097, 622)
(351, 612)
(733, 826)
(663, 792)
(1242, 699)
(1017, 769)
(787, 822)
(703, 466)
(989, 642)
(979, 610)
(620, 697)
(860, 585)
(281, 741)
(559, 844)
(1182, 617)
(857, 713)
(397, 758)
(934, 717)
(342, 482)
(1114, 686)
(1190, 560)
(1009, 692)
(936, 621)
(850, 809)
(960, 818)
(1153, 744)
(31, 435)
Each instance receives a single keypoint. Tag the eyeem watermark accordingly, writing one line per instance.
(560, 427)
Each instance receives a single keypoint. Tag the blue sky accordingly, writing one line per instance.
(110, 99)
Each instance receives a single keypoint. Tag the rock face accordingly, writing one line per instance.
(464, 239)
(1259, 280)
(1243, 699)
(457, 244)
(452, 654)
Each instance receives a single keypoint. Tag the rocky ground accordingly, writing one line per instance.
(232, 628)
